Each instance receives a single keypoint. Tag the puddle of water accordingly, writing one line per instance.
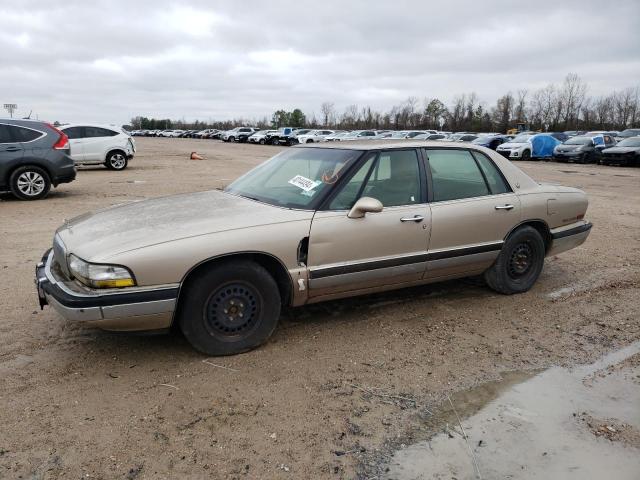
(532, 429)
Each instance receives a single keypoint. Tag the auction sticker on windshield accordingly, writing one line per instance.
(304, 183)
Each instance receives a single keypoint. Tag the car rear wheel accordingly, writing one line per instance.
(519, 264)
(230, 308)
(30, 183)
(116, 161)
(275, 141)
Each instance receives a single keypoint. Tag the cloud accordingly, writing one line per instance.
(108, 61)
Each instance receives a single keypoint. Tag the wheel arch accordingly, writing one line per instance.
(113, 150)
(271, 263)
(28, 163)
(540, 225)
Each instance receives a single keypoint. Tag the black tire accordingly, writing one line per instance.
(30, 183)
(519, 264)
(275, 141)
(526, 155)
(116, 161)
(309, 141)
(261, 141)
(206, 319)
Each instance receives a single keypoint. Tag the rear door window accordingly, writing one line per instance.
(94, 132)
(24, 134)
(494, 178)
(74, 132)
(5, 134)
(455, 175)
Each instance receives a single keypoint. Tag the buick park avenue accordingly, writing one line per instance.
(313, 223)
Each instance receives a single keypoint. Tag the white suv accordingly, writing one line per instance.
(100, 144)
(315, 136)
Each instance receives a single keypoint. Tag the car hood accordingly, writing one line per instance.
(621, 150)
(512, 145)
(99, 236)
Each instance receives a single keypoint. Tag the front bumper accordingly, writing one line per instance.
(130, 309)
(568, 237)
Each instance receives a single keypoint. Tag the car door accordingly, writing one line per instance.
(96, 143)
(384, 248)
(76, 142)
(473, 208)
(11, 152)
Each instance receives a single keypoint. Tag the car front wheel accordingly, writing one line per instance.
(30, 183)
(231, 308)
(116, 161)
(519, 264)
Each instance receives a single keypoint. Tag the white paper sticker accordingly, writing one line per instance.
(304, 183)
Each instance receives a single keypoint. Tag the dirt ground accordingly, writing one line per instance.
(337, 386)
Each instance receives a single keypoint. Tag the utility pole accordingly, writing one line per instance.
(10, 107)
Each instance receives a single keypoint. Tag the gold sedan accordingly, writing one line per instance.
(313, 223)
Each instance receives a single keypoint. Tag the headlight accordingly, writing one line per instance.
(100, 276)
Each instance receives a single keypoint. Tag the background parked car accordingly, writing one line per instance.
(314, 136)
(527, 146)
(430, 136)
(33, 157)
(359, 135)
(563, 137)
(628, 133)
(336, 137)
(261, 136)
(239, 134)
(492, 141)
(579, 149)
(626, 152)
(462, 137)
(100, 144)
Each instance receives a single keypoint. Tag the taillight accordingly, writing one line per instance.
(63, 140)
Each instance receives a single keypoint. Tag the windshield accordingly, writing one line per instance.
(294, 178)
(629, 142)
(521, 139)
(398, 135)
(578, 141)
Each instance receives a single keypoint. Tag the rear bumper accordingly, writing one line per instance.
(568, 237)
(131, 309)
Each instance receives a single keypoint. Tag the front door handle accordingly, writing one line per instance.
(12, 149)
(504, 207)
(415, 218)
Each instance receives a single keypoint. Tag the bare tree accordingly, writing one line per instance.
(328, 112)
(572, 95)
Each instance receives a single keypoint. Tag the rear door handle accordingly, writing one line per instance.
(504, 207)
(415, 218)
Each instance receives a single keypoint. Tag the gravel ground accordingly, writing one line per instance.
(337, 384)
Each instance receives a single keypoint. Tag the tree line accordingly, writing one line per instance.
(566, 106)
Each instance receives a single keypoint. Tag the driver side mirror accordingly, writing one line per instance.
(365, 205)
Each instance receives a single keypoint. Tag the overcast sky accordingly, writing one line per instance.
(108, 61)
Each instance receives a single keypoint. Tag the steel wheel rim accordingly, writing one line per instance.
(117, 161)
(31, 183)
(521, 260)
(232, 311)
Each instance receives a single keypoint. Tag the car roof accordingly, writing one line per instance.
(100, 125)
(383, 144)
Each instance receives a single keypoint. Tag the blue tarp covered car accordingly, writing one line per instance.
(542, 145)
